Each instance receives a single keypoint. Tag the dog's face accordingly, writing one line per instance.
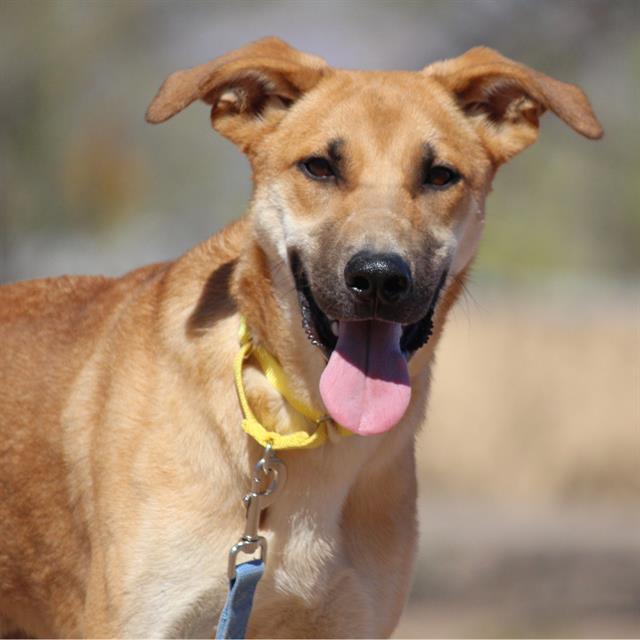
(370, 188)
(365, 189)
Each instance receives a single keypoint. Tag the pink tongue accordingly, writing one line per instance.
(365, 385)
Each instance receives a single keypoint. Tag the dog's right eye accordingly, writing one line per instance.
(317, 168)
(440, 177)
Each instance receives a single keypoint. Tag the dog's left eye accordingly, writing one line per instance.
(317, 168)
(438, 176)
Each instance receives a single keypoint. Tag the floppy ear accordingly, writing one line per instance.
(249, 88)
(505, 99)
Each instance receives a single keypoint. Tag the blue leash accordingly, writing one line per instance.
(244, 578)
(237, 609)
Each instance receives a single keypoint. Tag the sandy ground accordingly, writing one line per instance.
(488, 571)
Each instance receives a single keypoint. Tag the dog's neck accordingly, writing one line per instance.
(266, 297)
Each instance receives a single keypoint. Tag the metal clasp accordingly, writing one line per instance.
(269, 470)
(325, 418)
(330, 425)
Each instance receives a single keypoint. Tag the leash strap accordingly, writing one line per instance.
(237, 609)
(269, 477)
(278, 380)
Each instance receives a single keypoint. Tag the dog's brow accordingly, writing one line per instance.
(335, 151)
(424, 160)
(428, 154)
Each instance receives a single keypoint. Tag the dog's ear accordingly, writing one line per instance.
(505, 99)
(249, 88)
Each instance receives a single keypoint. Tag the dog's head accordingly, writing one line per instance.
(370, 187)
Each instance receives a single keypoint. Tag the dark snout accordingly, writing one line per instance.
(386, 286)
(378, 278)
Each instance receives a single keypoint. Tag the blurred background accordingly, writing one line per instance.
(530, 463)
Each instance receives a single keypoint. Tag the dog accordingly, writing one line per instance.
(123, 458)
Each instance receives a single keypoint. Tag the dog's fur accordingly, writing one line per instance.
(123, 462)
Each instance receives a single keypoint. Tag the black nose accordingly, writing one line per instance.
(382, 276)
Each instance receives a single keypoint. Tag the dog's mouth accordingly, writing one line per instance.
(323, 331)
(365, 384)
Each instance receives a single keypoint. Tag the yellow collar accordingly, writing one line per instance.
(276, 377)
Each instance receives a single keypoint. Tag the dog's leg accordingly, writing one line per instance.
(380, 526)
(165, 577)
(182, 602)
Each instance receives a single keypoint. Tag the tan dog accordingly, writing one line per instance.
(123, 461)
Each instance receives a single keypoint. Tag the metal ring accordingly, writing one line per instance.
(267, 456)
(249, 352)
(246, 546)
